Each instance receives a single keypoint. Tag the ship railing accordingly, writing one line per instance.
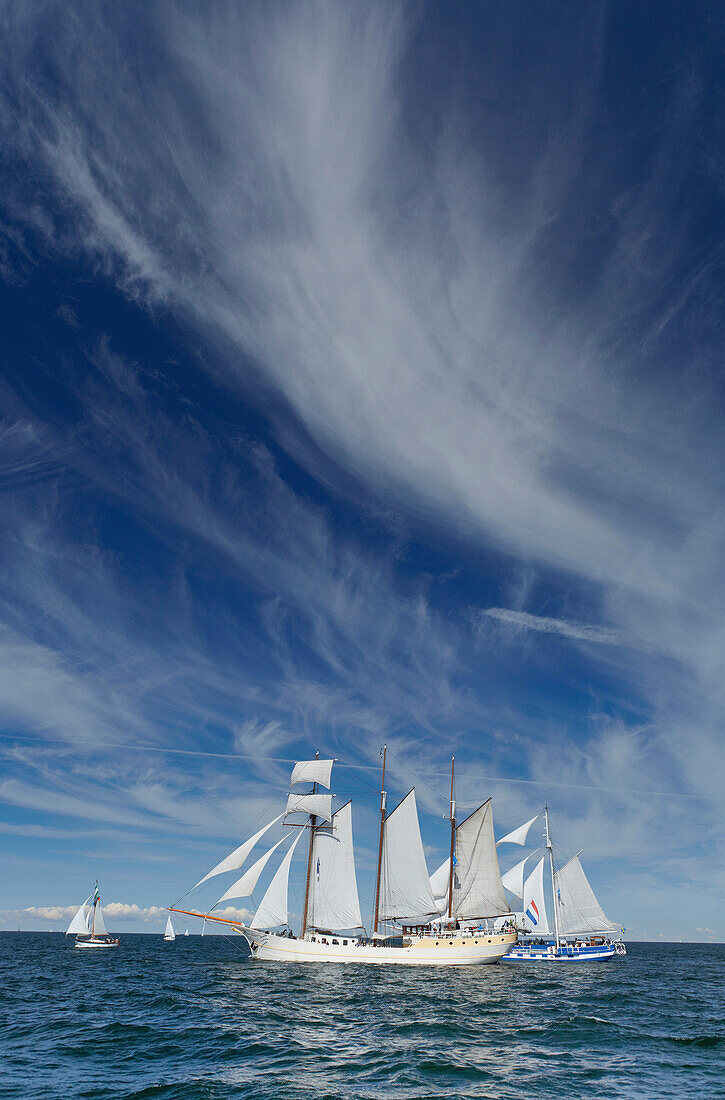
(484, 929)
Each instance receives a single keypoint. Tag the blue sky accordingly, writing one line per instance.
(361, 382)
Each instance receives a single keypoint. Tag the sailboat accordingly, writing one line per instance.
(91, 934)
(169, 934)
(410, 925)
(186, 933)
(581, 931)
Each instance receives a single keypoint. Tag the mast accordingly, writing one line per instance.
(453, 840)
(313, 822)
(95, 903)
(380, 843)
(551, 866)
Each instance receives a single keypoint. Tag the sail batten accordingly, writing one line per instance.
(406, 895)
(578, 909)
(272, 910)
(477, 887)
(244, 886)
(334, 903)
(237, 858)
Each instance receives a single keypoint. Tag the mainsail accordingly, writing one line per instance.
(98, 923)
(405, 893)
(578, 910)
(236, 859)
(333, 901)
(272, 910)
(477, 889)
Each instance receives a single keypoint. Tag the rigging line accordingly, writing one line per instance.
(417, 778)
(260, 817)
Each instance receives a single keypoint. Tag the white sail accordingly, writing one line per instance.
(236, 859)
(513, 880)
(272, 909)
(440, 880)
(312, 771)
(244, 886)
(534, 917)
(334, 903)
(477, 889)
(405, 893)
(79, 925)
(169, 934)
(98, 924)
(579, 911)
(318, 804)
(518, 836)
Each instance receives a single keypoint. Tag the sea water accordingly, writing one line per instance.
(198, 1018)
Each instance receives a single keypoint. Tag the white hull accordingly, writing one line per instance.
(96, 943)
(457, 950)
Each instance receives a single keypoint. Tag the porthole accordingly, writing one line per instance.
(476, 943)
(450, 943)
(438, 943)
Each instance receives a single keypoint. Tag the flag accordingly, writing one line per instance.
(318, 867)
(533, 913)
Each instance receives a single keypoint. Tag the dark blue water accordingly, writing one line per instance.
(198, 1019)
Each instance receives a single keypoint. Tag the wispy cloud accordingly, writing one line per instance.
(543, 624)
(423, 351)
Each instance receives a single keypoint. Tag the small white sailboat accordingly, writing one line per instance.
(169, 934)
(581, 930)
(186, 933)
(88, 924)
(421, 928)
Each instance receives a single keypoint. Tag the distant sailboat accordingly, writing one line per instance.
(169, 934)
(456, 930)
(581, 930)
(93, 934)
(186, 933)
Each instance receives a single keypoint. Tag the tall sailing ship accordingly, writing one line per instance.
(447, 919)
(581, 930)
